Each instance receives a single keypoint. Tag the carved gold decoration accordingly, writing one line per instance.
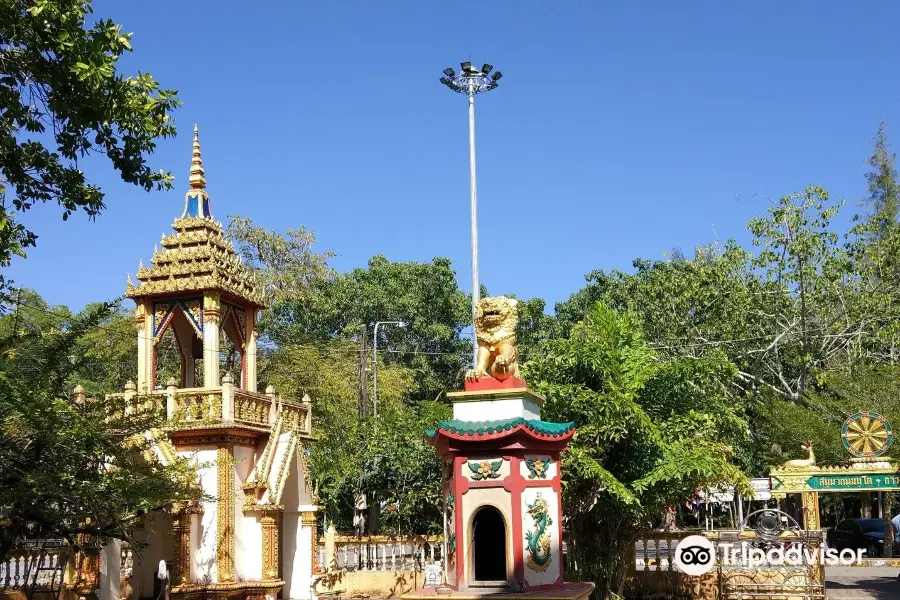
(209, 435)
(259, 476)
(198, 177)
(87, 566)
(251, 407)
(181, 541)
(197, 257)
(262, 508)
(238, 590)
(811, 510)
(225, 513)
(240, 318)
(197, 405)
(295, 416)
(284, 467)
(164, 446)
(140, 315)
(270, 546)
(495, 329)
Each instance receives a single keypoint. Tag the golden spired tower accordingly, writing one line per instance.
(255, 536)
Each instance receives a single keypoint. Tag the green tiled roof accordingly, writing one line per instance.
(488, 427)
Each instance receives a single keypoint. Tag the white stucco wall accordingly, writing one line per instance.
(157, 534)
(248, 533)
(110, 570)
(203, 568)
(244, 461)
(297, 558)
(486, 410)
(248, 547)
(529, 495)
(195, 543)
(296, 539)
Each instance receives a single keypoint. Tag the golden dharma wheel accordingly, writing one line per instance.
(867, 434)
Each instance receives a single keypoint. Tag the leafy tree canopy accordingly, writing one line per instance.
(72, 467)
(62, 98)
(650, 433)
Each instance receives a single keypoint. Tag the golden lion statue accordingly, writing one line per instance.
(495, 330)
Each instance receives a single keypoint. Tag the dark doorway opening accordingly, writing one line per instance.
(489, 545)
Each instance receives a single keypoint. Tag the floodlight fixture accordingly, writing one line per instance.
(496, 76)
(486, 68)
(449, 72)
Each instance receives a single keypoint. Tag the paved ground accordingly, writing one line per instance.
(862, 583)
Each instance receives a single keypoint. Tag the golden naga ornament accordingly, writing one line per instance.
(866, 435)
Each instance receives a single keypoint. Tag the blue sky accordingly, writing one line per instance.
(619, 129)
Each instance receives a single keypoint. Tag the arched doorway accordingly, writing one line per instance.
(489, 545)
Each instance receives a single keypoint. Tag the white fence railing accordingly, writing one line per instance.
(20, 568)
(378, 553)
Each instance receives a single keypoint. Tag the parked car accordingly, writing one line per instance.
(853, 534)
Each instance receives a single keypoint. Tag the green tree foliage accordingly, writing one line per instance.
(66, 467)
(287, 265)
(404, 468)
(103, 357)
(535, 326)
(884, 191)
(399, 468)
(109, 351)
(425, 296)
(651, 432)
(874, 252)
(62, 99)
(778, 315)
(803, 272)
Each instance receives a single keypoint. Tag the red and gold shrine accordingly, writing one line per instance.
(503, 503)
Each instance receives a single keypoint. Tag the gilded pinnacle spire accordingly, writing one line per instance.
(198, 177)
(196, 200)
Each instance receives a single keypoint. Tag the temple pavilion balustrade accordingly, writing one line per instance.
(213, 404)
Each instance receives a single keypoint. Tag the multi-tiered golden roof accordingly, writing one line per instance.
(197, 257)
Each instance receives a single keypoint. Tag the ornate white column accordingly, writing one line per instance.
(211, 313)
(251, 360)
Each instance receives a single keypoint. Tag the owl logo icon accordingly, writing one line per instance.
(695, 555)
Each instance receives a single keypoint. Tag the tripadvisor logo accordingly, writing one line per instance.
(695, 555)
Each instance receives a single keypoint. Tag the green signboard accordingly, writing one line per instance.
(854, 482)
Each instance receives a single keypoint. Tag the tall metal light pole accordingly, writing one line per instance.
(375, 363)
(471, 81)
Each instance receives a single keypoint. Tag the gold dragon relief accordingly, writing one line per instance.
(495, 330)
